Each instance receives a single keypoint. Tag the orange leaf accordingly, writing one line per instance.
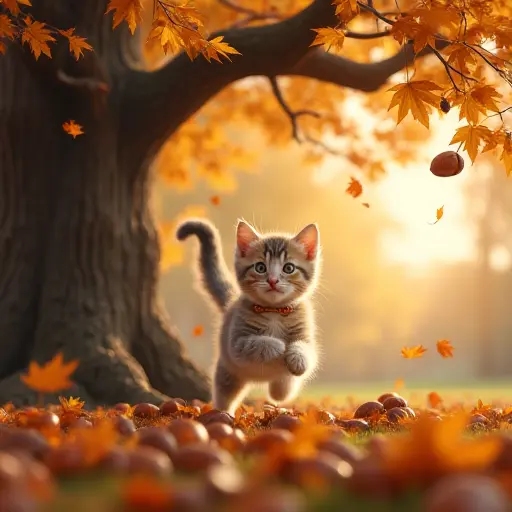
(126, 10)
(215, 200)
(72, 128)
(76, 43)
(472, 136)
(445, 348)
(37, 37)
(95, 442)
(7, 29)
(50, 377)
(71, 404)
(198, 330)
(329, 37)
(355, 189)
(12, 5)
(434, 399)
(415, 97)
(413, 352)
(217, 46)
(439, 215)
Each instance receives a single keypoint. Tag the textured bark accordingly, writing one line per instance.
(78, 249)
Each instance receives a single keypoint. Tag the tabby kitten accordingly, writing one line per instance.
(268, 327)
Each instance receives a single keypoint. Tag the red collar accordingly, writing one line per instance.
(286, 310)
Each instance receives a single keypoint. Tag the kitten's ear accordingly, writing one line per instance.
(309, 238)
(245, 235)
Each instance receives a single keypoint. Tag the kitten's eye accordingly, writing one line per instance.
(289, 268)
(260, 267)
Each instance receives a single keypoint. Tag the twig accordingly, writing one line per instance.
(294, 116)
(447, 67)
(371, 35)
(376, 13)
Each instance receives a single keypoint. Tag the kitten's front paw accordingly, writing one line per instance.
(269, 349)
(296, 361)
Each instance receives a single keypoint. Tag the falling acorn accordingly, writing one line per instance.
(446, 164)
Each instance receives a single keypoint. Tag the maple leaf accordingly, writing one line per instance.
(37, 36)
(76, 43)
(355, 189)
(416, 97)
(216, 47)
(7, 29)
(329, 37)
(72, 128)
(460, 57)
(50, 377)
(439, 215)
(198, 330)
(479, 100)
(126, 10)
(472, 136)
(434, 399)
(71, 404)
(413, 352)
(346, 9)
(445, 348)
(13, 7)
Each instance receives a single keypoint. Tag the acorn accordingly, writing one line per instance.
(447, 164)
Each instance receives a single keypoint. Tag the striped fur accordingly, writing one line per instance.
(271, 271)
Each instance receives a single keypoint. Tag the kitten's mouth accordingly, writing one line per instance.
(275, 290)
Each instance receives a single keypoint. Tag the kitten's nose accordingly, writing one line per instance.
(272, 281)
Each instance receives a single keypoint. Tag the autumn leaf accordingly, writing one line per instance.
(366, 205)
(50, 377)
(445, 348)
(76, 43)
(329, 37)
(355, 189)
(198, 330)
(472, 136)
(72, 128)
(461, 57)
(37, 36)
(217, 47)
(7, 29)
(215, 200)
(71, 404)
(346, 9)
(413, 352)
(434, 400)
(126, 10)
(439, 215)
(13, 7)
(95, 442)
(415, 97)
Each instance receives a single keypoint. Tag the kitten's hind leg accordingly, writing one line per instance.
(228, 390)
(285, 388)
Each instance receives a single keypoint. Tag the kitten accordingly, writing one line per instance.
(268, 327)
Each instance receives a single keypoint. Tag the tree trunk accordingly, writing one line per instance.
(78, 248)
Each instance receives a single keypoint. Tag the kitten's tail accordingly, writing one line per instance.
(213, 271)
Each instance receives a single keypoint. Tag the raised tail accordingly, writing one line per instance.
(212, 268)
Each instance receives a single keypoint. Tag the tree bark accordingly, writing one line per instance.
(78, 247)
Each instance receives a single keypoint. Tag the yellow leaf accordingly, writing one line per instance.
(472, 136)
(413, 352)
(126, 10)
(416, 97)
(460, 57)
(216, 47)
(346, 9)
(50, 377)
(439, 215)
(37, 37)
(445, 348)
(72, 128)
(76, 43)
(329, 37)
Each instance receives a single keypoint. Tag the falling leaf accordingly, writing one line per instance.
(72, 128)
(413, 352)
(37, 36)
(198, 330)
(439, 215)
(472, 136)
(76, 43)
(215, 200)
(50, 377)
(445, 348)
(416, 97)
(216, 47)
(126, 10)
(329, 37)
(366, 205)
(355, 189)
(434, 399)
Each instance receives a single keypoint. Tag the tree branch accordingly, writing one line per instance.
(156, 103)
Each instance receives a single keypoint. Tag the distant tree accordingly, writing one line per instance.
(81, 124)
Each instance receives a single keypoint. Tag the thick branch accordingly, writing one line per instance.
(157, 103)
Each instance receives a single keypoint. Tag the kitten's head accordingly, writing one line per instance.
(274, 270)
